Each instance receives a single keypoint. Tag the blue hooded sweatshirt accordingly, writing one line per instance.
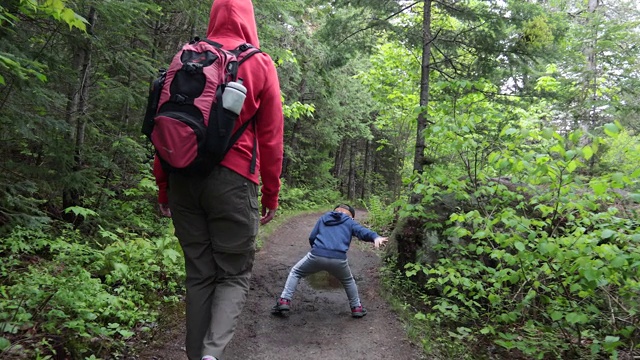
(331, 237)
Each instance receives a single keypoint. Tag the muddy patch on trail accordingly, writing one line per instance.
(323, 281)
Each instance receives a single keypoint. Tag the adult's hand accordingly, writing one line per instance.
(165, 210)
(267, 215)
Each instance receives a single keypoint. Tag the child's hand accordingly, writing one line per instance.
(379, 241)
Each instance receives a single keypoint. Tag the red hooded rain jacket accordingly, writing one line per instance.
(232, 23)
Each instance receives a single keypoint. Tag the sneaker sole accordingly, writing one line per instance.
(280, 314)
(278, 310)
(358, 315)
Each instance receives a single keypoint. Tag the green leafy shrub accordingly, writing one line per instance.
(536, 256)
(88, 290)
(381, 216)
(83, 298)
(622, 154)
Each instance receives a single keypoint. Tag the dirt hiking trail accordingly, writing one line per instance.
(319, 325)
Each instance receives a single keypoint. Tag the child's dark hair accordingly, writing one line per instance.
(347, 207)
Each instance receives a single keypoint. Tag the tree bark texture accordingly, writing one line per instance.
(409, 244)
(78, 106)
(589, 118)
(291, 144)
(418, 160)
(365, 171)
(339, 159)
(351, 194)
(592, 67)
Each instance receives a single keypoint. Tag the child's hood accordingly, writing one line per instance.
(334, 218)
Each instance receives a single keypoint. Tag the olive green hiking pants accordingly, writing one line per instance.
(216, 221)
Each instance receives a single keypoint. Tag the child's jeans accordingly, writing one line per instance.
(311, 264)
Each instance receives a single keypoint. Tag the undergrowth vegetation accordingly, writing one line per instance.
(533, 251)
(86, 291)
(90, 289)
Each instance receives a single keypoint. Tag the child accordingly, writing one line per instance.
(330, 239)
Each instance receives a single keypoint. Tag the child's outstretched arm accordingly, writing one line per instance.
(363, 233)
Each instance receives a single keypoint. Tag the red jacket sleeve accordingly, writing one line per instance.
(161, 181)
(270, 128)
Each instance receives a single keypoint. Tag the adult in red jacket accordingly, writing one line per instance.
(216, 218)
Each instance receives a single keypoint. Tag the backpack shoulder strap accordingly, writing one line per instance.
(236, 136)
(244, 52)
(210, 42)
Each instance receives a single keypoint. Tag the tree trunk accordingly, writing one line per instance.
(418, 160)
(351, 195)
(77, 108)
(338, 160)
(590, 113)
(409, 244)
(365, 171)
(293, 143)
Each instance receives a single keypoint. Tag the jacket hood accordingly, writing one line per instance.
(334, 218)
(232, 22)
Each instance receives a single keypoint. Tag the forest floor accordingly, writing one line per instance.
(319, 325)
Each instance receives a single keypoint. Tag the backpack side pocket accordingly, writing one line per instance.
(155, 90)
(178, 138)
